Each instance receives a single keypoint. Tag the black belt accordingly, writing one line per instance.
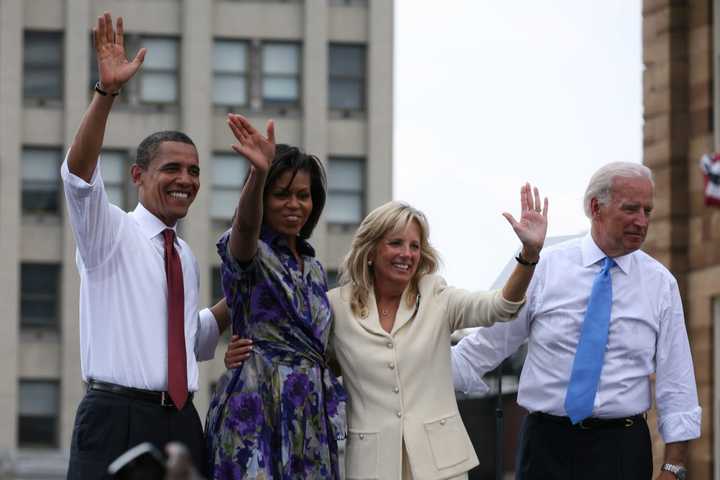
(591, 423)
(160, 398)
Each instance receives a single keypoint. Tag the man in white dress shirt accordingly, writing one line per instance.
(646, 335)
(140, 330)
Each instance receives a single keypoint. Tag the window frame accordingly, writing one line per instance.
(246, 74)
(58, 65)
(53, 298)
(123, 183)
(360, 191)
(362, 80)
(235, 187)
(147, 70)
(54, 419)
(266, 103)
(25, 183)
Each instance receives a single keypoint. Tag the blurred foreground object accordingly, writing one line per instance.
(142, 462)
(710, 164)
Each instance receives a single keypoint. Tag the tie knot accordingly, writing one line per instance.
(169, 235)
(608, 264)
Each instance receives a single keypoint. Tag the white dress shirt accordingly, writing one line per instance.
(647, 335)
(123, 291)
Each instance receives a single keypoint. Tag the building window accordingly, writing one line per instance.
(114, 164)
(280, 74)
(43, 65)
(38, 413)
(229, 170)
(230, 73)
(346, 180)
(159, 73)
(39, 293)
(347, 77)
(40, 173)
(333, 277)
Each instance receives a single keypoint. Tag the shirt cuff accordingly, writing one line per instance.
(75, 182)
(464, 378)
(680, 427)
(207, 336)
(508, 308)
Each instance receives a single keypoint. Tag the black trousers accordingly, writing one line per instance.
(108, 424)
(553, 451)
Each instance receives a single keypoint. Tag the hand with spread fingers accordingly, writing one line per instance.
(114, 69)
(532, 226)
(259, 150)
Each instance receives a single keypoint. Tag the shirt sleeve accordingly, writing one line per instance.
(484, 349)
(95, 222)
(473, 309)
(679, 413)
(207, 336)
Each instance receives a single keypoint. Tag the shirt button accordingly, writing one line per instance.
(442, 422)
(391, 366)
(362, 436)
(396, 389)
(399, 414)
(389, 345)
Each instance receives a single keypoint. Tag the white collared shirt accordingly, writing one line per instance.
(647, 335)
(123, 291)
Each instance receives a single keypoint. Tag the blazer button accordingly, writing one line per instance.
(362, 436)
(396, 389)
(389, 345)
(442, 422)
(399, 414)
(391, 366)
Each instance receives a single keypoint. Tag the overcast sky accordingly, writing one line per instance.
(490, 94)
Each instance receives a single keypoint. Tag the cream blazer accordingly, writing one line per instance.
(399, 384)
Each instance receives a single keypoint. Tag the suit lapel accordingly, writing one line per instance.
(405, 313)
(371, 322)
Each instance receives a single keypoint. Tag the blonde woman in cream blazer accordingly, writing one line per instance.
(393, 319)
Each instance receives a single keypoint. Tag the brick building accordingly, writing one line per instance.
(680, 53)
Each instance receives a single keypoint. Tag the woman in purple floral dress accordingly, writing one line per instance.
(276, 417)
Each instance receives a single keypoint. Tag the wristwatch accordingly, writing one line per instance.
(678, 470)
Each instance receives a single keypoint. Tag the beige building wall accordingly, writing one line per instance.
(313, 125)
(680, 53)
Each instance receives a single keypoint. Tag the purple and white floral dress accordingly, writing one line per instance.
(280, 414)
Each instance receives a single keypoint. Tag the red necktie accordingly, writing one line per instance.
(177, 360)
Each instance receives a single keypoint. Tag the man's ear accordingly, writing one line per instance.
(136, 172)
(594, 207)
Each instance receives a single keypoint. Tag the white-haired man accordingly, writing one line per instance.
(600, 318)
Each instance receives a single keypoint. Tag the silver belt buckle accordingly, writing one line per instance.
(165, 400)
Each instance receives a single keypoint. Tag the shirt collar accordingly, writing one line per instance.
(275, 239)
(591, 254)
(150, 225)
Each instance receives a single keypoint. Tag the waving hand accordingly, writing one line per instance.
(113, 66)
(259, 150)
(532, 226)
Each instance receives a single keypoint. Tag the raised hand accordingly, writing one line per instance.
(259, 150)
(114, 69)
(532, 226)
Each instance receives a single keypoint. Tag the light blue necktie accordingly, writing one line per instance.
(590, 352)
